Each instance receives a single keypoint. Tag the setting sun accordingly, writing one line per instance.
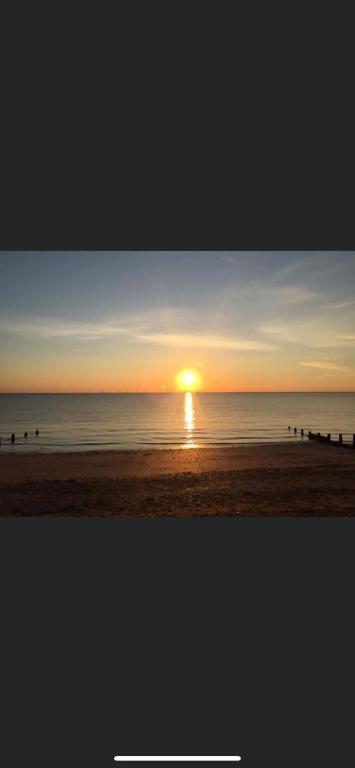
(188, 380)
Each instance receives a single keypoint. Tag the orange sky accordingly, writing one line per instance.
(216, 375)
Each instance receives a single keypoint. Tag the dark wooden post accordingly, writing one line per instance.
(340, 439)
(288, 427)
(353, 441)
(302, 433)
(37, 433)
(328, 437)
(309, 434)
(25, 435)
(295, 430)
(13, 437)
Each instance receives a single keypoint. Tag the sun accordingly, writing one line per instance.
(188, 380)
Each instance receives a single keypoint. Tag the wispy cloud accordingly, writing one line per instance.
(125, 325)
(203, 342)
(158, 327)
(50, 328)
(339, 306)
(313, 265)
(316, 332)
(325, 366)
(230, 259)
(290, 294)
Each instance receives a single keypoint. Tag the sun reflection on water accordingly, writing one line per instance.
(189, 420)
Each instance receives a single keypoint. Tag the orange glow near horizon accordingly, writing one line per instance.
(154, 371)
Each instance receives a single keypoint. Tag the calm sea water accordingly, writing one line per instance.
(124, 421)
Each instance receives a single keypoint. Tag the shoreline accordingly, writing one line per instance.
(8, 451)
(278, 479)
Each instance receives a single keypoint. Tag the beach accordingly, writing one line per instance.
(299, 479)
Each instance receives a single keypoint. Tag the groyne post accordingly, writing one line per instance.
(353, 441)
(328, 437)
(302, 433)
(13, 437)
(340, 439)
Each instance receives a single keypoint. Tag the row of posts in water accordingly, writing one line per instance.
(311, 436)
(324, 438)
(13, 436)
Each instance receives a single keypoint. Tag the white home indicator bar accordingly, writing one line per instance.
(177, 759)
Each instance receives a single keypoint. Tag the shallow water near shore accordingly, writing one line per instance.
(87, 422)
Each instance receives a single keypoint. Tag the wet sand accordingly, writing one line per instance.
(260, 480)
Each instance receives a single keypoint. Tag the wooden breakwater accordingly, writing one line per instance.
(327, 438)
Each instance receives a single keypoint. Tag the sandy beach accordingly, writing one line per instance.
(259, 480)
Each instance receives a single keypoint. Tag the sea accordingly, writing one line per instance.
(86, 422)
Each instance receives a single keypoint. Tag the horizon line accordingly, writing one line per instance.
(197, 392)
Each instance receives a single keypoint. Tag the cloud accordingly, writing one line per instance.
(325, 366)
(290, 294)
(152, 327)
(316, 332)
(315, 265)
(339, 306)
(230, 259)
(203, 342)
(126, 325)
(326, 375)
(51, 328)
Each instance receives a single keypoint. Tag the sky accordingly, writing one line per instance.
(129, 321)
